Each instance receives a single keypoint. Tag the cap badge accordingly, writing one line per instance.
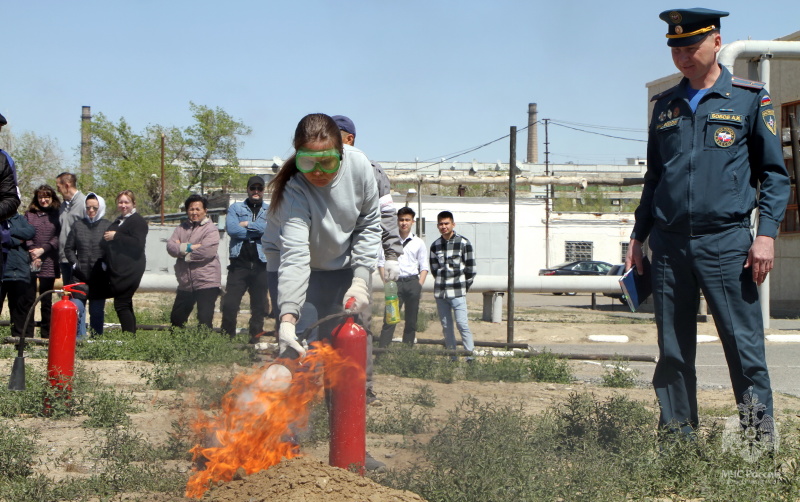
(724, 137)
(675, 17)
(678, 30)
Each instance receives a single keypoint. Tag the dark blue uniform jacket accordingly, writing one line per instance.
(703, 168)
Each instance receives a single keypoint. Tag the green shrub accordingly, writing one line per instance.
(620, 375)
(547, 367)
(424, 396)
(398, 419)
(17, 451)
(108, 408)
(190, 345)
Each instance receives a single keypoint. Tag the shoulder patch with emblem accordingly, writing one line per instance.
(749, 84)
(769, 120)
(765, 100)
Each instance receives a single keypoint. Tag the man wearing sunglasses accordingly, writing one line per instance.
(245, 224)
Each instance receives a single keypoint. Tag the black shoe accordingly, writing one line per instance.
(374, 465)
(372, 398)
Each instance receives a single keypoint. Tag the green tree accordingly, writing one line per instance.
(38, 159)
(212, 146)
(126, 160)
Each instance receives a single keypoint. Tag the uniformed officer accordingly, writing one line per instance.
(712, 140)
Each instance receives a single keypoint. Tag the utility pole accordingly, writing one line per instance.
(512, 219)
(162, 178)
(546, 196)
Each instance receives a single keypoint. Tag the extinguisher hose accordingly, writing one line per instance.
(21, 343)
(290, 353)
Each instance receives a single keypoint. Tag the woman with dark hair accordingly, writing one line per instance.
(324, 229)
(125, 241)
(86, 254)
(195, 243)
(42, 214)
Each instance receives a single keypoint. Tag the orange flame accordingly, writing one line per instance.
(254, 426)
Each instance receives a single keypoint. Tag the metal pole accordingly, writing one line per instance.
(420, 233)
(512, 222)
(546, 197)
(162, 178)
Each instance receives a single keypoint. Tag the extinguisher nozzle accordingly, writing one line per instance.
(17, 381)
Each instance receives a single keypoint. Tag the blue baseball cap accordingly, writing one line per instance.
(689, 26)
(345, 124)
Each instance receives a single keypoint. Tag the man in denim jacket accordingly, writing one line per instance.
(245, 224)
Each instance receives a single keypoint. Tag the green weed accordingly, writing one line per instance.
(423, 396)
(398, 419)
(108, 408)
(17, 451)
(619, 374)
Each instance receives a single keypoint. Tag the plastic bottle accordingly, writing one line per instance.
(392, 312)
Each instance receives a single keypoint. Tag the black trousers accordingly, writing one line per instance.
(19, 302)
(185, 301)
(409, 291)
(46, 305)
(254, 281)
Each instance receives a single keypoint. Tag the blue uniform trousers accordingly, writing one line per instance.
(714, 263)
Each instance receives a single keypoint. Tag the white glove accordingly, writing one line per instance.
(359, 291)
(391, 270)
(287, 337)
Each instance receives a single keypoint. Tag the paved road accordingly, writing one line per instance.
(783, 359)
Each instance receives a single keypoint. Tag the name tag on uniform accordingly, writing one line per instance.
(730, 118)
(667, 125)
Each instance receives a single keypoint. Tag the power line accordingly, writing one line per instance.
(442, 159)
(464, 152)
(598, 133)
(594, 126)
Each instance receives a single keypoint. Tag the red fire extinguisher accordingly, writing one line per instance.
(61, 354)
(348, 410)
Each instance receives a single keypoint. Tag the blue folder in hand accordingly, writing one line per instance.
(635, 287)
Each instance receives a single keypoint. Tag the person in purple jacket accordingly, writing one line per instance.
(42, 214)
(195, 244)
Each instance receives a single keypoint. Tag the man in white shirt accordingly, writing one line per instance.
(413, 271)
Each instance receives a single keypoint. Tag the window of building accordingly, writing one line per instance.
(578, 250)
(624, 246)
(791, 222)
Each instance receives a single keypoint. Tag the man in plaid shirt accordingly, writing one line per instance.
(452, 263)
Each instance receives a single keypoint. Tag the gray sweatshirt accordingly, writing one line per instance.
(324, 228)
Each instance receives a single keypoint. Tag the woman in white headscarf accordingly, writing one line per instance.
(86, 254)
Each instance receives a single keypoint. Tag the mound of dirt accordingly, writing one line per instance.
(304, 479)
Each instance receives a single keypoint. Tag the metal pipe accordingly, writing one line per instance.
(466, 179)
(560, 355)
(523, 283)
(512, 226)
(780, 49)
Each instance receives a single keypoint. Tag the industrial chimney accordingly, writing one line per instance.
(533, 136)
(86, 143)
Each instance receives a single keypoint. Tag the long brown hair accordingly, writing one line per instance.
(315, 127)
(44, 190)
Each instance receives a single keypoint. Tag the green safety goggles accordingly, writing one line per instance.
(327, 161)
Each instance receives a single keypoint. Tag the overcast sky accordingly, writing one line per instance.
(420, 79)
